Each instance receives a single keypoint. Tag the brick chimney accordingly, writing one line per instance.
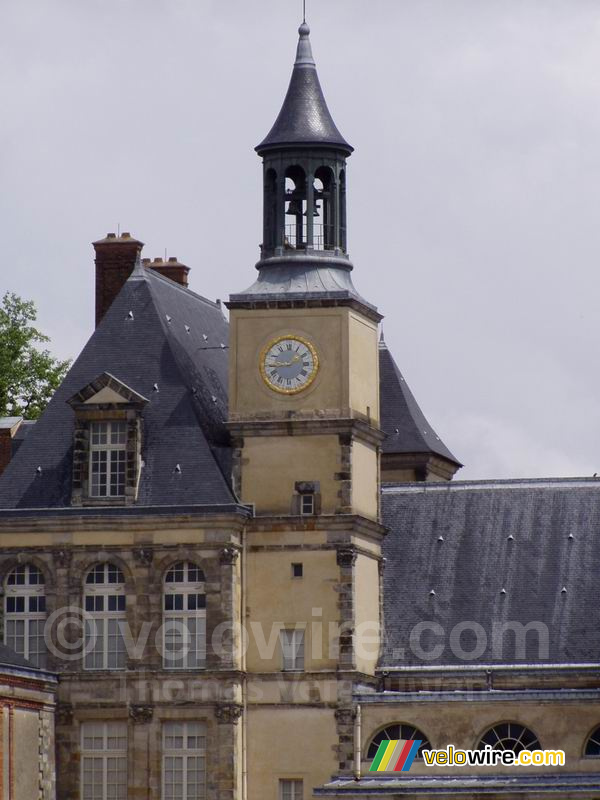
(172, 269)
(8, 428)
(115, 259)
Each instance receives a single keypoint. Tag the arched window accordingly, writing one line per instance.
(592, 746)
(25, 613)
(104, 598)
(509, 736)
(295, 197)
(400, 731)
(270, 211)
(184, 623)
(324, 235)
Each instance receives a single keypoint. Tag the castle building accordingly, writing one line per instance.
(242, 550)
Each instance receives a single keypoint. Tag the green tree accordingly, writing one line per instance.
(29, 376)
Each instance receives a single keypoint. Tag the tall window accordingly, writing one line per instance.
(290, 790)
(292, 649)
(184, 761)
(104, 761)
(510, 736)
(108, 443)
(25, 613)
(105, 623)
(184, 643)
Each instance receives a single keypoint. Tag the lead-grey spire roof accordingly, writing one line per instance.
(304, 118)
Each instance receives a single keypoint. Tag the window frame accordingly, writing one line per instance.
(186, 589)
(481, 744)
(106, 427)
(104, 755)
(298, 657)
(592, 737)
(307, 504)
(294, 789)
(184, 753)
(104, 616)
(403, 730)
(27, 590)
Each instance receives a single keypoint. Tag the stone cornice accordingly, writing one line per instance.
(347, 524)
(132, 518)
(314, 425)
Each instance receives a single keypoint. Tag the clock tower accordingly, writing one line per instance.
(305, 426)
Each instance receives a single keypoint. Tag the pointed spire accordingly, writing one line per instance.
(304, 118)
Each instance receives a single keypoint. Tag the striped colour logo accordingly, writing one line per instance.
(395, 755)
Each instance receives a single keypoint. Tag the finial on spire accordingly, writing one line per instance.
(304, 56)
(304, 11)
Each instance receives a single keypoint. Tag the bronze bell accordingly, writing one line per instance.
(294, 208)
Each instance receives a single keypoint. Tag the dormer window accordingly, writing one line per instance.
(108, 451)
(107, 443)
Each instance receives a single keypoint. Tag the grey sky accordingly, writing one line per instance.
(473, 193)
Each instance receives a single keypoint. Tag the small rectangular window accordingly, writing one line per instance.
(297, 570)
(290, 790)
(307, 504)
(292, 649)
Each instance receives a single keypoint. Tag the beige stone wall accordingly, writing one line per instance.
(273, 465)
(287, 742)
(558, 726)
(365, 486)
(27, 754)
(367, 613)
(276, 600)
(363, 367)
(347, 382)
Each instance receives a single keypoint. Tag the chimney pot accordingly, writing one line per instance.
(111, 235)
(125, 235)
(146, 260)
(173, 259)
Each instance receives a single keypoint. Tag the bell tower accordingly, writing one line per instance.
(305, 425)
(304, 164)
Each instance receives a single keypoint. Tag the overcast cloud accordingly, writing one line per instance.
(473, 193)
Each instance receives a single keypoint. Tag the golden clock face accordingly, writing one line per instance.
(289, 364)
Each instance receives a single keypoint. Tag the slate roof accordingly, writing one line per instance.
(155, 333)
(304, 118)
(462, 785)
(511, 535)
(302, 280)
(407, 429)
(9, 658)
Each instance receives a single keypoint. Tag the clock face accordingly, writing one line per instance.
(289, 364)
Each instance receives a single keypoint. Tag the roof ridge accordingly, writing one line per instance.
(153, 274)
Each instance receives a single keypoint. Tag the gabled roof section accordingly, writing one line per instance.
(521, 554)
(168, 345)
(407, 429)
(107, 390)
(304, 118)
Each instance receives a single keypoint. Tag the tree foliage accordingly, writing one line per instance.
(29, 376)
